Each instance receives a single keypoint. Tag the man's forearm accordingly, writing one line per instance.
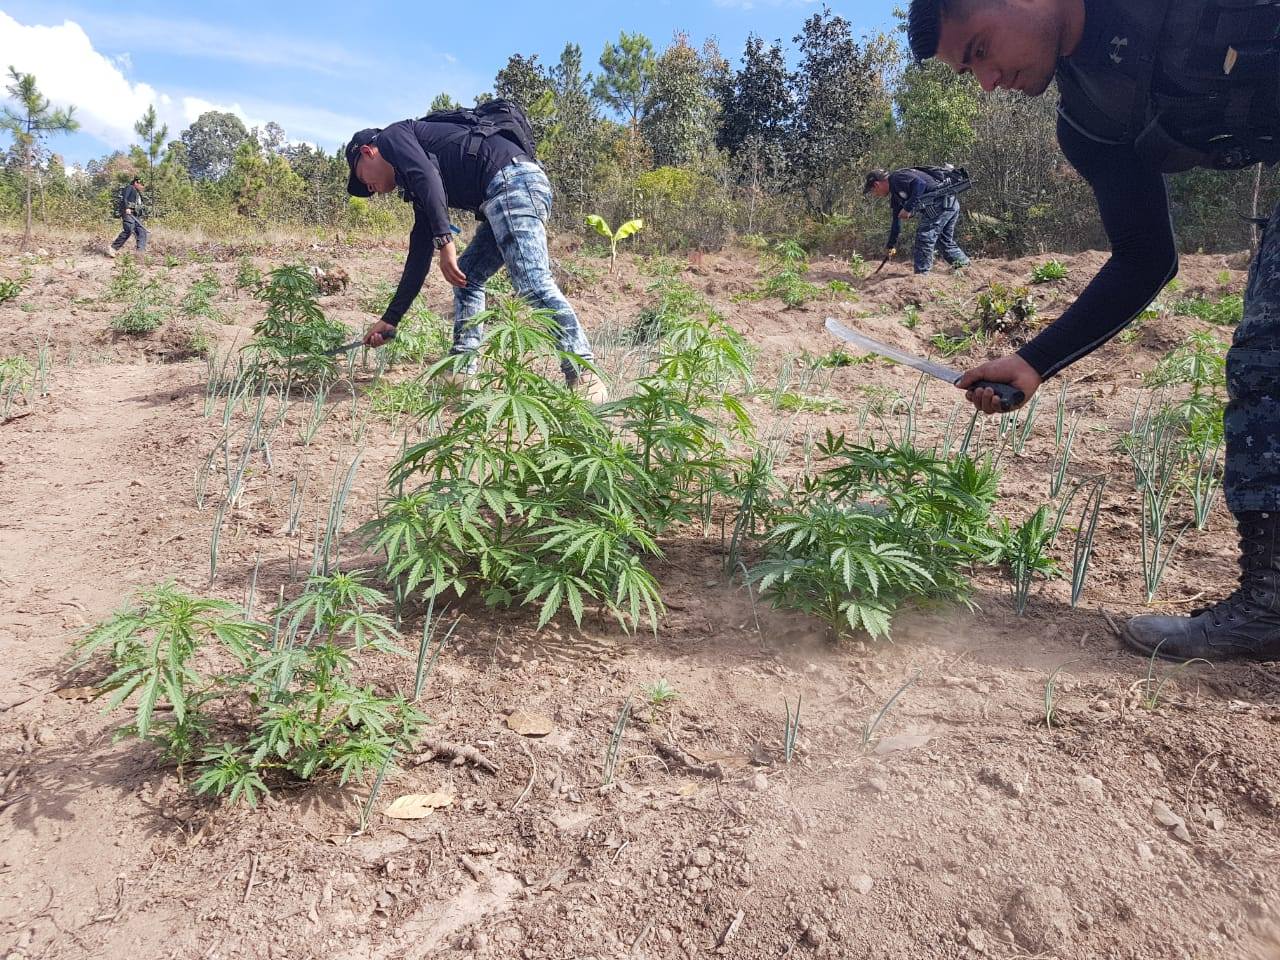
(416, 267)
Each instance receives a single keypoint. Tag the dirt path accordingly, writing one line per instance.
(68, 492)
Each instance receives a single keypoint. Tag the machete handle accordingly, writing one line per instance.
(1008, 395)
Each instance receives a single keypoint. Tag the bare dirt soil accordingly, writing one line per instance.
(970, 829)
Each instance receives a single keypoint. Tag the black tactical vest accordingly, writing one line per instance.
(1187, 82)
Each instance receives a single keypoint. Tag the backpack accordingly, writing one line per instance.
(951, 180)
(117, 203)
(494, 117)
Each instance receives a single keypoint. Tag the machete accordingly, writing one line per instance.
(348, 347)
(1008, 395)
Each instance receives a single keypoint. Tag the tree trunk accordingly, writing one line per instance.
(26, 237)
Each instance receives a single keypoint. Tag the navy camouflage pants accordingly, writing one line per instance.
(1252, 421)
(937, 231)
(131, 226)
(516, 207)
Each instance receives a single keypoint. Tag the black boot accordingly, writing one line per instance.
(1245, 626)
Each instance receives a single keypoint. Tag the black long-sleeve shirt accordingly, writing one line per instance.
(434, 173)
(132, 201)
(906, 187)
(1134, 206)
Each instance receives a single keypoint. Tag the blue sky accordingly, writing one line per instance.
(323, 69)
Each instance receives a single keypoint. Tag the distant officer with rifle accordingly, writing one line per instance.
(929, 192)
(129, 208)
(1150, 87)
(480, 160)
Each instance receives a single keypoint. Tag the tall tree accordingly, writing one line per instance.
(839, 101)
(756, 104)
(936, 111)
(679, 111)
(574, 142)
(212, 141)
(442, 101)
(30, 124)
(627, 72)
(152, 133)
(525, 82)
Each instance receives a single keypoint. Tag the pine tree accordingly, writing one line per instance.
(29, 125)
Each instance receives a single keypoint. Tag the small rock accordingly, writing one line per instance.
(976, 940)
(1091, 788)
(877, 785)
(1164, 816)
(863, 883)
(1145, 853)
(701, 857)
(815, 935)
(759, 783)
(692, 873)
(478, 941)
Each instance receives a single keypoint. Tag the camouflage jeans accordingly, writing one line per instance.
(1252, 420)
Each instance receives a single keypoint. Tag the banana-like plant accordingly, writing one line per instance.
(601, 226)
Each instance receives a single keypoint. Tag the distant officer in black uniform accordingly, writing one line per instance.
(131, 214)
(1150, 87)
(907, 190)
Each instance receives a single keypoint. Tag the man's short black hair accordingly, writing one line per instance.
(873, 177)
(924, 24)
(136, 180)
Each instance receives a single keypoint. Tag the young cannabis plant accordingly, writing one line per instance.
(1025, 554)
(878, 528)
(1049, 272)
(293, 336)
(150, 308)
(601, 226)
(274, 701)
(524, 493)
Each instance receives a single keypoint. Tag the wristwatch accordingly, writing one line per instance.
(441, 242)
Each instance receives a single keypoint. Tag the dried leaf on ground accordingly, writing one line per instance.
(416, 806)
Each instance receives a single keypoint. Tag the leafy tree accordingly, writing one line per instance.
(573, 141)
(30, 124)
(442, 101)
(679, 111)
(936, 110)
(212, 141)
(756, 104)
(839, 100)
(525, 82)
(324, 180)
(627, 72)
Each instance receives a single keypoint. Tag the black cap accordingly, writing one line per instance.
(362, 138)
(874, 177)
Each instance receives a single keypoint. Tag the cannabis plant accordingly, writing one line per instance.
(524, 493)
(1049, 272)
(294, 336)
(250, 704)
(877, 528)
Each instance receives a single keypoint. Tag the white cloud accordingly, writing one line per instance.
(70, 72)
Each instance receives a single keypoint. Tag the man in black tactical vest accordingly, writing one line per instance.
(480, 160)
(1150, 87)
(926, 193)
(130, 212)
